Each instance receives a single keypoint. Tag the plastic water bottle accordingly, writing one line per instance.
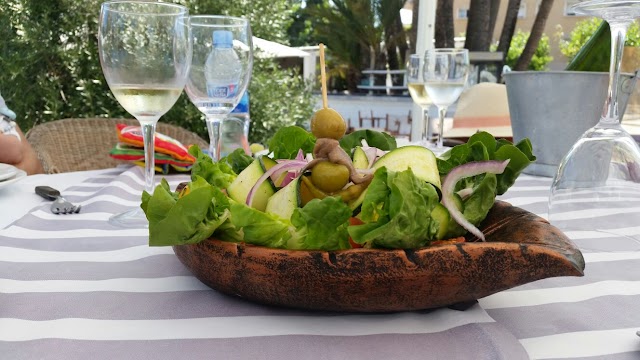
(235, 132)
(241, 111)
(222, 70)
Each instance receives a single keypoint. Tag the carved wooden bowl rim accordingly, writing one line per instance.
(521, 247)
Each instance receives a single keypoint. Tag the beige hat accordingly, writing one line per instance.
(482, 107)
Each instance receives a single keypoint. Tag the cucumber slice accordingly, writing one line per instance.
(240, 187)
(360, 160)
(420, 160)
(447, 227)
(285, 200)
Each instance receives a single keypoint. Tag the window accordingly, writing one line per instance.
(462, 13)
(522, 12)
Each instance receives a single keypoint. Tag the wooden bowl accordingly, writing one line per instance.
(521, 247)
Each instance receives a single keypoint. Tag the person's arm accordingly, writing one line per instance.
(11, 149)
(30, 162)
(19, 153)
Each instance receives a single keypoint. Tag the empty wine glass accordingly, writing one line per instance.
(419, 94)
(220, 69)
(445, 74)
(600, 175)
(145, 53)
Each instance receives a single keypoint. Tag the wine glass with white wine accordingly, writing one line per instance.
(419, 94)
(145, 53)
(445, 75)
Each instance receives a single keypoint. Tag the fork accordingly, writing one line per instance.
(60, 205)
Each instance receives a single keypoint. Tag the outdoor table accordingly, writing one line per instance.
(75, 287)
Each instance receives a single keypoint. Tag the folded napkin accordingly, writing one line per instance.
(169, 152)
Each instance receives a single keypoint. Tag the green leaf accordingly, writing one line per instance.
(188, 220)
(321, 225)
(398, 216)
(380, 140)
(483, 146)
(286, 143)
(238, 160)
(218, 174)
(259, 228)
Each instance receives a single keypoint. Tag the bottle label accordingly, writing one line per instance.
(221, 91)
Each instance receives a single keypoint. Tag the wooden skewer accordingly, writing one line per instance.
(323, 78)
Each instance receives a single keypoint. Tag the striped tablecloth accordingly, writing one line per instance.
(74, 287)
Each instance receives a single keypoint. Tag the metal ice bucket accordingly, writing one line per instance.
(554, 108)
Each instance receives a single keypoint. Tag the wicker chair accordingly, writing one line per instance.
(84, 144)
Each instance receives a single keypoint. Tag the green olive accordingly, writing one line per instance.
(329, 177)
(327, 123)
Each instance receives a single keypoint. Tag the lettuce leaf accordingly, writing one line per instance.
(396, 212)
(483, 146)
(321, 225)
(186, 220)
(476, 206)
(259, 228)
(287, 141)
(218, 174)
(380, 140)
(238, 160)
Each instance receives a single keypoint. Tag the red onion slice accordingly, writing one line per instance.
(461, 172)
(292, 164)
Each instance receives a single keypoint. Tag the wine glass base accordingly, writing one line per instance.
(134, 218)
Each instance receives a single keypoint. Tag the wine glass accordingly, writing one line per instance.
(145, 53)
(445, 74)
(419, 94)
(600, 175)
(220, 69)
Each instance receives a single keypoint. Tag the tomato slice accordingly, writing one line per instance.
(354, 221)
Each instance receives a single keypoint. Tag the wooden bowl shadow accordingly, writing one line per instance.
(520, 248)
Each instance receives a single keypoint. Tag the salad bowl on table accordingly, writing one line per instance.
(520, 248)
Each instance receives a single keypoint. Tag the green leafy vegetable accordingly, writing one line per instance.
(259, 228)
(288, 140)
(238, 160)
(218, 174)
(476, 206)
(396, 212)
(321, 225)
(185, 220)
(483, 146)
(380, 140)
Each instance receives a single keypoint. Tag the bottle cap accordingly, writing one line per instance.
(222, 38)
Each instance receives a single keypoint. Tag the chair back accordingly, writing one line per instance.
(84, 144)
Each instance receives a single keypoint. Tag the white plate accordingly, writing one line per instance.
(7, 171)
(19, 175)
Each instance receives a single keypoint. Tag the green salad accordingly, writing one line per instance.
(302, 196)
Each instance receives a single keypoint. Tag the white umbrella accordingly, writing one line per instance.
(270, 49)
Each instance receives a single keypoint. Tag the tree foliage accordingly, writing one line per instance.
(583, 31)
(354, 30)
(541, 58)
(50, 67)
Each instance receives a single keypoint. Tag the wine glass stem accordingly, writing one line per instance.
(618, 35)
(214, 125)
(442, 111)
(148, 135)
(427, 134)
